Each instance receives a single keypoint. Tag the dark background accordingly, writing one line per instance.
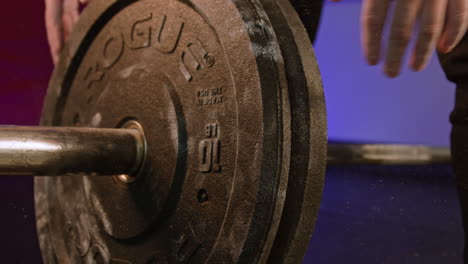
(368, 214)
(25, 67)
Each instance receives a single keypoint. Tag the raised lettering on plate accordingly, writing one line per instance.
(140, 34)
(209, 150)
(169, 34)
(112, 51)
(193, 58)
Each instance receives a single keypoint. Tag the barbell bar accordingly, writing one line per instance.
(53, 151)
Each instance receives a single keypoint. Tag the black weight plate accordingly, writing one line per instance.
(308, 138)
(205, 79)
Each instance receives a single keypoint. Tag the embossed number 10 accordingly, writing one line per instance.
(209, 150)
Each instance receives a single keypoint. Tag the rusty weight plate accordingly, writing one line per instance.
(309, 134)
(206, 81)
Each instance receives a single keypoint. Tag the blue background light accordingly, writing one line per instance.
(375, 214)
(363, 104)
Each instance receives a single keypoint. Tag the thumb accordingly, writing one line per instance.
(54, 27)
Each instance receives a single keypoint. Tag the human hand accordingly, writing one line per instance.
(440, 24)
(60, 17)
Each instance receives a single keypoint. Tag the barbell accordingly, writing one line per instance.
(184, 132)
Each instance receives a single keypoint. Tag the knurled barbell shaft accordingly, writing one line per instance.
(51, 151)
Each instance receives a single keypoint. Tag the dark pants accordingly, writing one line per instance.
(455, 65)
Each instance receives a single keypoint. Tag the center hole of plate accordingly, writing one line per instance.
(141, 152)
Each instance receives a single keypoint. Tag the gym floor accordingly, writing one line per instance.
(369, 214)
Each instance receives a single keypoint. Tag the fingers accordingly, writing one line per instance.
(53, 20)
(70, 16)
(373, 15)
(402, 28)
(456, 25)
(442, 23)
(430, 29)
(60, 17)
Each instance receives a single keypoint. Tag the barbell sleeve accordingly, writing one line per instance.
(52, 151)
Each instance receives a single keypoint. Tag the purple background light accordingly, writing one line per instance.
(24, 72)
(364, 105)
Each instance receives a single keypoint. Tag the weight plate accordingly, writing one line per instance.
(206, 81)
(309, 134)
